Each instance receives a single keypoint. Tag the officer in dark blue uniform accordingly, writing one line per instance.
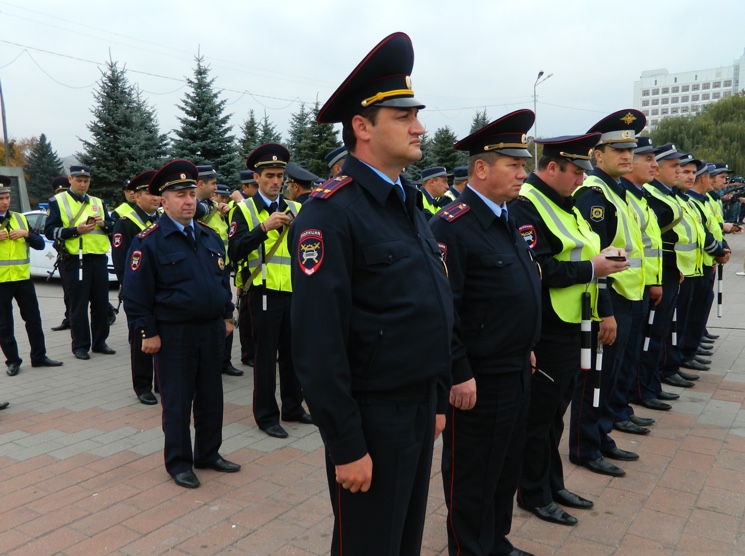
(496, 295)
(335, 160)
(127, 227)
(59, 184)
(299, 182)
(460, 179)
(367, 269)
(177, 297)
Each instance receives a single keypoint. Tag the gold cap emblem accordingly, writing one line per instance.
(628, 118)
(182, 176)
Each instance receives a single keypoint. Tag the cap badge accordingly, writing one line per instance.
(274, 157)
(628, 118)
(626, 134)
(182, 176)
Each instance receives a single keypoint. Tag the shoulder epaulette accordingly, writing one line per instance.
(207, 226)
(147, 231)
(330, 187)
(524, 200)
(454, 212)
(596, 189)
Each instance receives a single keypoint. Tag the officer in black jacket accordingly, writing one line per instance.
(367, 270)
(496, 297)
(144, 214)
(177, 297)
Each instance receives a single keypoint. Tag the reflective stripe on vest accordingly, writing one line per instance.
(125, 209)
(15, 257)
(278, 268)
(579, 243)
(428, 205)
(711, 224)
(651, 237)
(215, 221)
(630, 282)
(95, 242)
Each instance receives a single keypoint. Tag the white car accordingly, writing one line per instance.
(42, 262)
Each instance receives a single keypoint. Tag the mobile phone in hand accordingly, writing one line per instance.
(615, 258)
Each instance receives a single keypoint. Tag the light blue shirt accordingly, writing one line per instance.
(181, 226)
(387, 179)
(495, 208)
(268, 201)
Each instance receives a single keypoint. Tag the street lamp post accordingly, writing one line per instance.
(538, 81)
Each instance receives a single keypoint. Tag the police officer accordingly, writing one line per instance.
(126, 228)
(460, 179)
(434, 186)
(601, 201)
(128, 206)
(367, 269)
(15, 283)
(496, 297)
(258, 243)
(214, 213)
(568, 252)
(59, 184)
(177, 297)
(81, 222)
(335, 160)
(299, 182)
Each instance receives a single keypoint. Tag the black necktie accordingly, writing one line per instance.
(189, 231)
(273, 207)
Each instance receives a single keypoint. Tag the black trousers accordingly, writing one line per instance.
(248, 352)
(557, 355)
(388, 519)
(142, 364)
(482, 455)
(702, 297)
(272, 336)
(93, 289)
(25, 295)
(188, 373)
(620, 394)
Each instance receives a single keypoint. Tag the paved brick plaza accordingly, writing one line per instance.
(81, 468)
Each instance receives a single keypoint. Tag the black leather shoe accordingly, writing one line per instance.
(710, 336)
(104, 349)
(641, 421)
(621, 455)
(702, 351)
(695, 365)
(567, 498)
(603, 467)
(551, 513)
(46, 362)
(187, 479)
(112, 317)
(232, 371)
(629, 427)
(221, 465)
(706, 344)
(667, 396)
(687, 376)
(276, 431)
(677, 380)
(147, 398)
(518, 552)
(249, 362)
(702, 360)
(64, 325)
(655, 404)
(3, 405)
(13, 369)
(304, 419)
(81, 354)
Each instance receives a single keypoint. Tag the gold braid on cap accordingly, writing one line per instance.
(377, 97)
(174, 182)
(498, 146)
(570, 155)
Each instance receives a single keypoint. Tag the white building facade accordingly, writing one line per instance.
(660, 94)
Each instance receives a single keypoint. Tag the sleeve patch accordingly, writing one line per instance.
(135, 261)
(310, 251)
(529, 235)
(117, 242)
(444, 250)
(233, 227)
(597, 214)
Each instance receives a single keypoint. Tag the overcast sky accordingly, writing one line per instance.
(270, 56)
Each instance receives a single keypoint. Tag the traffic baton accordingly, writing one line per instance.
(650, 322)
(598, 370)
(586, 335)
(674, 327)
(719, 290)
(263, 276)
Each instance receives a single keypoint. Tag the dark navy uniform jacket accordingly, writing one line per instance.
(125, 230)
(496, 289)
(664, 217)
(167, 281)
(370, 294)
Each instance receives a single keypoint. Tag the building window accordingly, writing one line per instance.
(655, 91)
(705, 96)
(684, 89)
(728, 83)
(645, 93)
(684, 98)
(655, 112)
(726, 94)
(715, 96)
(674, 100)
(664, 111)
(675, 80)
(684, 109)
(645, 103)
(695, 108)
(655, 122)
(695, 77)
(675, 89)
(645, 112)
(695, 87)
(705, 86)
(694, 98)
(665, 100)
(674, 110)
(655, 101)
(655, 82)
(716, 84)
(665, 90)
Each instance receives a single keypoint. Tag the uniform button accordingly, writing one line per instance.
(390, 258)
(499, 262)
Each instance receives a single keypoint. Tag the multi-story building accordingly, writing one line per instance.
(660, 94)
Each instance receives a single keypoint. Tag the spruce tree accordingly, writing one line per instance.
(42, 166)
(480, 119)
(268, 132)
(442, 149)
(249, 135)
(298, 135)
(415, 169)
(320, 139)
(205, 134)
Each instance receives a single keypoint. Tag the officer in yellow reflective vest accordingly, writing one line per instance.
(126, 228)
(81, 223)
(568, 252)
(601, 200)
(460, 180)
(258, 244)
(128, 206)
(214, 212)
(434, 186)
(15, 283)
